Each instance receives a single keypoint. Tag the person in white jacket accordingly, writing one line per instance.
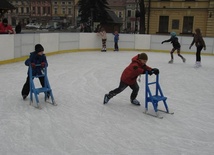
(102, 34)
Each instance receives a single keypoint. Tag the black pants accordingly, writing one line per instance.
(26, 87)
(116, 46)
(122, 86)
(198, 53)
(104, 43)
(178, 52)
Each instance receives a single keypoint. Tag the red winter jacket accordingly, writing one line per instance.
(135, 68)
(4, 29)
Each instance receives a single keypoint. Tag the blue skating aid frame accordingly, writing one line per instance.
(37, 91)
(154, 99)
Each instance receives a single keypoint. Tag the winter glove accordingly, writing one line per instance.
(155, 71)
(33, 65)
(150, 72)
(43, 64)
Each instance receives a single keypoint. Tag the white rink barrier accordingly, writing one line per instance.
(20, 45)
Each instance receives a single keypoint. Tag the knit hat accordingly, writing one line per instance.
(38, 48)
(143, 56)
(173, 34)
(5, 20)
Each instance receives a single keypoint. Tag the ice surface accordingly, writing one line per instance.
(82, 125)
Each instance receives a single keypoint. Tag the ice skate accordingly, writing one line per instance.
(171, 61)
(184, 60)
(135, 102)
(106, 99)
(102, 50)
(24, 97)
(197, 64)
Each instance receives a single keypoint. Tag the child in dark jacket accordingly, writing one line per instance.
(176, 46)
(129, 78)
(116, 38)
(36, 57)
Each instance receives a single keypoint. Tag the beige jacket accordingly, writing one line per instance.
(103, 35)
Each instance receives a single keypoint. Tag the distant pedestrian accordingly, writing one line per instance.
(18, 28)
(116, 38)
(200, 44)
(5, 28)
(176, 46)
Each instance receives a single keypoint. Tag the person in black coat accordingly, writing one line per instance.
(18, 28)
(36, 57)
(176, 46)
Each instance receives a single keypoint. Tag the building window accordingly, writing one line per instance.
(55, 11)
(129, 13)
(189, 0)
(22, 10)
(44, 10)
(120, 14)
(188, 24)
(55, 3)
(69, 11)
(63, 3)
(63, 11)
(39, 10)
(49, 10)
(27, 9)
(175, 24)
(163, 24)
(34, 10)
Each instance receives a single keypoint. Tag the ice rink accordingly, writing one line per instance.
(82, 125)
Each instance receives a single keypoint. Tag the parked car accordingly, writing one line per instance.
(33, 26)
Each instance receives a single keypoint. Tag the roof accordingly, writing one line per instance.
(113, 17)
(118, 3)
(5, 5)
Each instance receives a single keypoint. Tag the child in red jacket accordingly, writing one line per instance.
(129, 78)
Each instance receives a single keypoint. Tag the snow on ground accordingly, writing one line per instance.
(82, 125)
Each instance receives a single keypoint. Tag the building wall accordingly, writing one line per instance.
(177, 9)
(119, 8)
(63, 10)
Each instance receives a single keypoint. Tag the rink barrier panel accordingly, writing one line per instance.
(17, 47)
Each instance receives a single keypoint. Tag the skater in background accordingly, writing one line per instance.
(129, 78)
(116, 38)
(176, 46)
(103, 36)
(36, 57)
(5, 28)
(200, 44)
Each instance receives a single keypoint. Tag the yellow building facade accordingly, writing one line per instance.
(180, 16)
